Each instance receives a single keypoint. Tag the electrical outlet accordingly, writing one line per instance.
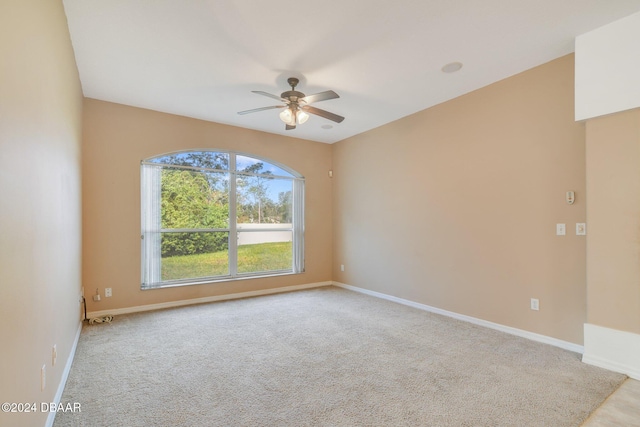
(535, 304)
(341, 267)
(107, 292)
(43, 377)
(54, 355)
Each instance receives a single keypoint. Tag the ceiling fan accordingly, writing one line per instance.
(297, 105)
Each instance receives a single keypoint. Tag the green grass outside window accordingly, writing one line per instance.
(251, 258)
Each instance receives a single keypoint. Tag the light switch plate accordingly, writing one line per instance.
(535, 304)
(561, 229)
(581, 229)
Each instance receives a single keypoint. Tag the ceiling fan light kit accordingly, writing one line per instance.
(293, 117)
(297, 108)
(286, 116)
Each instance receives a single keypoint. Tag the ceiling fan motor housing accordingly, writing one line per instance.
(292, 95)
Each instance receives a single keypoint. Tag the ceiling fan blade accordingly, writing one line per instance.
(289, 127)
(255, 110)
(267, 94)
(322, 96)
(322, 113)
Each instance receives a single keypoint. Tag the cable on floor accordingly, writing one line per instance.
(104, 319)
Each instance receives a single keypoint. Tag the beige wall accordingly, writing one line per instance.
(40, 132)
(455, 206)
(116, 138)
(613, 191)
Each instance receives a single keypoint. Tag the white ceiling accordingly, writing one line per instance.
(202, 58)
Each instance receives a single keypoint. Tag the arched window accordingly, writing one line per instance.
(219, 215)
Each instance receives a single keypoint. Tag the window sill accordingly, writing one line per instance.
(206, 281)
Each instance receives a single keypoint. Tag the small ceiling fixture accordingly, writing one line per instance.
(452, 67)
(297, 108)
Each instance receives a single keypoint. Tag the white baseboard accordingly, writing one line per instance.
(612, 349)
(508, 329)
(170, 304)
(65, 376)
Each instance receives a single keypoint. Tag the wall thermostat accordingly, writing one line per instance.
(571, 197)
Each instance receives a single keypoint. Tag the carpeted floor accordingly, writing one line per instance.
(322, 357)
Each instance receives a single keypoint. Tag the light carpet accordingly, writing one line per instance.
(322, 357)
